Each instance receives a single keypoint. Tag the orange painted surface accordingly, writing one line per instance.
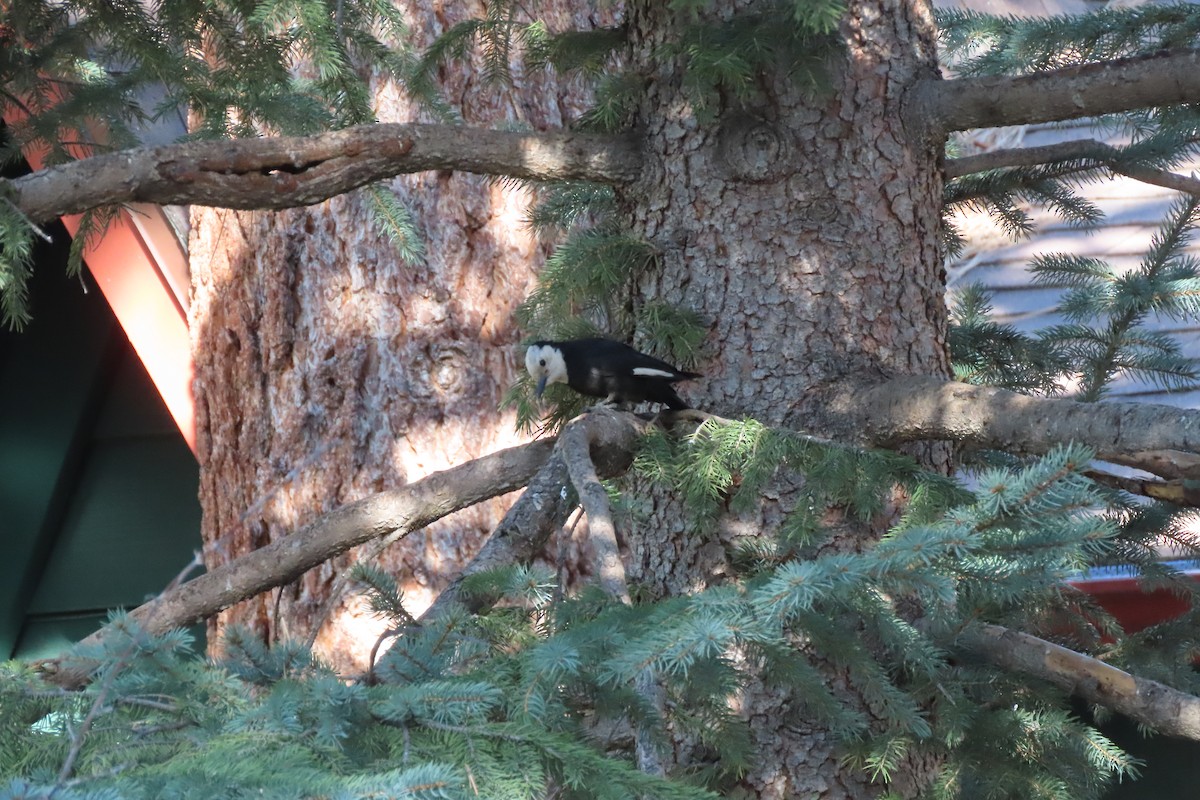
(155, 323)
(141, 270)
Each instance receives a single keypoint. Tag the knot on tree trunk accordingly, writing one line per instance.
(755, 150)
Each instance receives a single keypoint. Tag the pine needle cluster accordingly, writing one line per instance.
(543, 691)
(1006, 194)
(274, 722)
(1002, 555)
(1106, 311)
(977, 44)
(987, 353)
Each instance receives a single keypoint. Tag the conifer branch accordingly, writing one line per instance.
(1087, 150)
(545, 504)
(286, 172)
(1161, 439)
(1023, 157)
(1156, 705)
(521, 535)
(1070, 93)
(574, 442)
(80, 732)
(406, 509)
(1179, 491)
(541, 510)
(1169, 463)
(1157, 177)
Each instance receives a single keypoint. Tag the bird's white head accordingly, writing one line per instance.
(545, 364)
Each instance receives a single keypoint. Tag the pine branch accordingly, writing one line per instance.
(1089, 151)
(1167, 462)
(286, 172)
(541, 510)
(1156, 705)
(1073, 92)
(978, 43)
(409, 508)
(575, 444)
(80, 733)
(1179, 491)
(544, 506)
(1159, 439)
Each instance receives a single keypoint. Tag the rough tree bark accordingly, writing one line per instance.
(328, 370)
(805, 231)
(286, 172)
(802, 228)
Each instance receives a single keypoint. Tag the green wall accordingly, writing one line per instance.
(98, 503)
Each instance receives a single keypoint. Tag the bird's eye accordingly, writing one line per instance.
(542, 362)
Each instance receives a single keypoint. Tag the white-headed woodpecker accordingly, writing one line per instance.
(604, 368)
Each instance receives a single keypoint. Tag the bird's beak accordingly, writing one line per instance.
(541, 387)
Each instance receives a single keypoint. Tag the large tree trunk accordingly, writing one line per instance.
(803, 228)
(328, 369)
(805, 232)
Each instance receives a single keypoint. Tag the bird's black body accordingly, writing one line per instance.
(605, 368)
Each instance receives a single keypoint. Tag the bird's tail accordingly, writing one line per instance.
(673, 400)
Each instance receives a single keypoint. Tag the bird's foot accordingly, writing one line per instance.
(607, 404)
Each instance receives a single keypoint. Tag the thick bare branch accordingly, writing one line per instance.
(1070, 93)
(1158, 177)
(1166, 710)
(541, 510)
(1025, 157)
(575, 446)
(1160, 439)
(1180, 492)
(544, 506)
(286, 172)
(1097, 153)
(406, 509)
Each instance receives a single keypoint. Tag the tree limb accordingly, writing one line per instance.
(1088, 150)
(574, 444)
(1157, 177)
(407, 509)
(1076, 149)
(1069, 93)
(285, 172)
(1161, 439)
(1180, 492)
(520, 536)
(1166, 710)
(544, 506)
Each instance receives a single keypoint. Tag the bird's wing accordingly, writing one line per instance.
(646, 366)
(622, 360)
(653, 372)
